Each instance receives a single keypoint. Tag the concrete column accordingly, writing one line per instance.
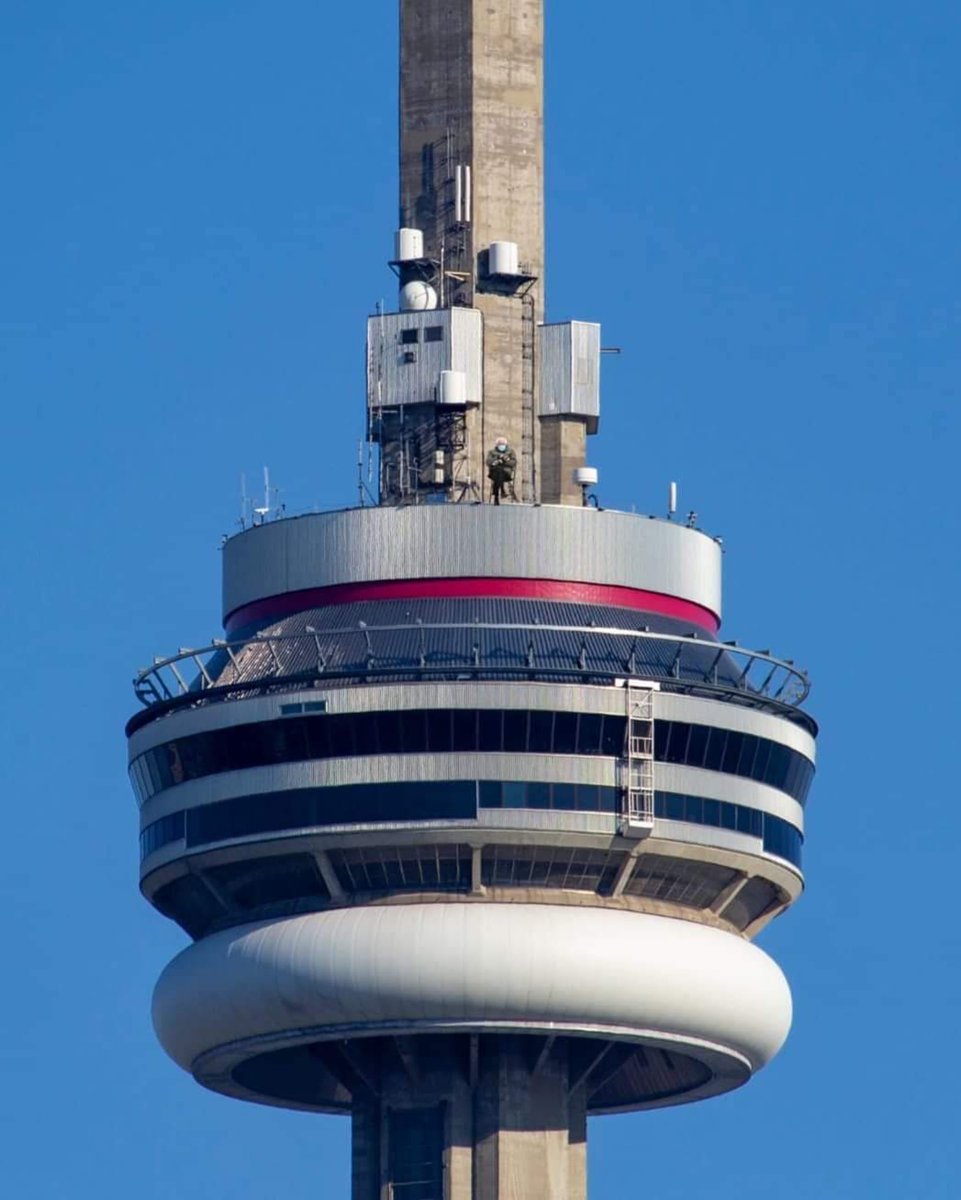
(511, 1130)
(365, 1150)
(563, 447)
(525, 1145)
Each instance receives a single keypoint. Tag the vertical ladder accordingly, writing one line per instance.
(639, 760)
(528, 336)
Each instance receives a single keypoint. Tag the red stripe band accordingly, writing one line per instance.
(275, 607)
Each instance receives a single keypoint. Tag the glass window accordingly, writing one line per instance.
(612, 736)
(745, 765)
(749, 821)
(413, 727)
(490, 793)
(318, 738)
(465, 730)
(538, 795)
(589, 733)
(489, 730)
(341, 737)
(609, 799)
(409, 337)
(694, 810)
(439, 739)
(565, 733)
(677, 742)
(564, 796)
(732, 752)
(777, 766)
(759, 769)
(515, 731)
(434, 333)
(541, 732)
(716, 744)
(697, 745)
(514, 795)
(390, 739)
(588, 797)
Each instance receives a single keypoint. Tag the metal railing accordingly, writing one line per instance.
(272, 662)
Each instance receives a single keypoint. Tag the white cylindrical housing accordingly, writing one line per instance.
(504, 258)
(585, 476)
(408, 245)
(522, 968)
(452, 390)
(417, 296)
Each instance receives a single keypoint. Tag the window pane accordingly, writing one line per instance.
(717, 740)
(465, 731)
(565, 733)
(612, 736)
(761, 759)
(413, 725)
(589, 733)
(439, 731)
(489, 727)
(490, 793)
(697, 745)
(732, 752)
(515, 731)
(541, 732)
(538, 795)
(745, 765)
(587, 797)
(515, 795)
(564, 796)
(677, 742)
(389, 732)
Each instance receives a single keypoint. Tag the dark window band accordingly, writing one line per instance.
(371, 803)
(458, 730)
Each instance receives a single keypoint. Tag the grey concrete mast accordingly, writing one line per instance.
(472, 183)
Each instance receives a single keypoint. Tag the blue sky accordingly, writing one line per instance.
(760, 203)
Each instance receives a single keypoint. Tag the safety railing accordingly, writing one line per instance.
(465, 651)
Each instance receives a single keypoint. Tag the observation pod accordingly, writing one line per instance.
(472, 818)
(471, 815)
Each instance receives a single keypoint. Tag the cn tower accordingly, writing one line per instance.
(471, 816)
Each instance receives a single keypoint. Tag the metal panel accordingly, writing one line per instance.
(458, 540)
(403, 372)
(569, 371)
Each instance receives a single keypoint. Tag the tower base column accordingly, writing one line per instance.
(469, 1118)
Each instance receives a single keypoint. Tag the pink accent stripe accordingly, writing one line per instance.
(275, 607)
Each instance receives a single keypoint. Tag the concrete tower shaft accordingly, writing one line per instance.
(472, 96)
(472, 176)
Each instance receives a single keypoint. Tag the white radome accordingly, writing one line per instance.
(417, 296)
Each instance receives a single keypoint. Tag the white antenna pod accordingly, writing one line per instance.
(671, 500)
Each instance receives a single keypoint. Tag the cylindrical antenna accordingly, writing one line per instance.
(671, 500)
